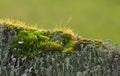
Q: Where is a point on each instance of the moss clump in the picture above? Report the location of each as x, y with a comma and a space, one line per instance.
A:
51, 47
32, 41
27, 42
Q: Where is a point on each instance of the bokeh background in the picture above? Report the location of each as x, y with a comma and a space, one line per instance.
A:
94, 19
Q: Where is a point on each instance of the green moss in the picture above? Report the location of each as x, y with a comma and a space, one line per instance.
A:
27, 42
32, 41
51, 47
69, 50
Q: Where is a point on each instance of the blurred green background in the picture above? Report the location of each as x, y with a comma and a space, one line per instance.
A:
94, 19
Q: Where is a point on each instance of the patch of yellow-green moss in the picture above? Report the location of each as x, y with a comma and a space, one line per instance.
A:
32, 41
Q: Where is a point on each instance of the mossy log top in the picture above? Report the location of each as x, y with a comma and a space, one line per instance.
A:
21, 45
